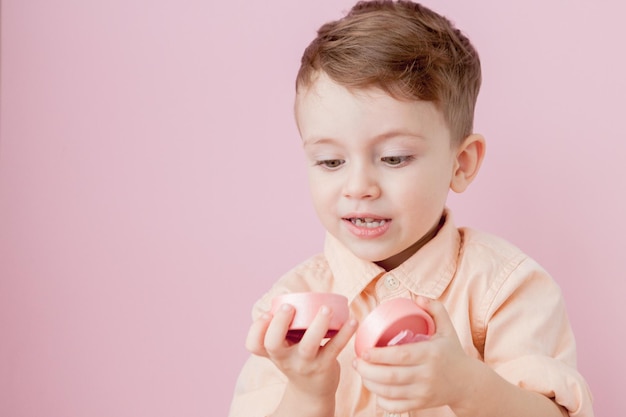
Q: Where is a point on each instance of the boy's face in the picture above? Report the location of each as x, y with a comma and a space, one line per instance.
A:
379, 168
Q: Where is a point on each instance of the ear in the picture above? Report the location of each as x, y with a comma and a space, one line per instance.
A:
469, 157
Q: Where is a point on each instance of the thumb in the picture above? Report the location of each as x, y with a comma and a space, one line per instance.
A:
436, 309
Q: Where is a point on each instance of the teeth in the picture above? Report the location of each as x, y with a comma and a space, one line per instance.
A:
367, 222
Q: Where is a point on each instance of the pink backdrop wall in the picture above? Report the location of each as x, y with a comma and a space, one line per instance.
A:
152, 187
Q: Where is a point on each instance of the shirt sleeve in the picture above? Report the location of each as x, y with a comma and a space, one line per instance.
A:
259, 389
529, 341
260, 384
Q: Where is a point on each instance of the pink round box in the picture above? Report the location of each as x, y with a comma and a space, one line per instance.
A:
307, 305
393, 322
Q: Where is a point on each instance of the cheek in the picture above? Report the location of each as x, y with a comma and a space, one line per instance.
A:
422, 194
323, 204
319, 193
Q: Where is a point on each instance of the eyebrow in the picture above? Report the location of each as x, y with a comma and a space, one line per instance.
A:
379, 138
318, 141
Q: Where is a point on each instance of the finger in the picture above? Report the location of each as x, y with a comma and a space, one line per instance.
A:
396, 398
277, 330
255, 340
340, 340
315, 333
409, 354
385, 374
389, 392
443, 323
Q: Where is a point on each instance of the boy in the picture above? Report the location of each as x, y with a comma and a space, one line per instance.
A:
384, 104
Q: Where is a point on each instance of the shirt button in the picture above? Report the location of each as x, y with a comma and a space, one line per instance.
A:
391, 282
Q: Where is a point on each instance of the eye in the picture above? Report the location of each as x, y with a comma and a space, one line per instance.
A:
396, 160
330, 163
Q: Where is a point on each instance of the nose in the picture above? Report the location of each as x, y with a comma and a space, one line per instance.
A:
361, 184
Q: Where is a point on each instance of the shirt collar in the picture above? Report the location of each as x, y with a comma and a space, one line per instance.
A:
428, 272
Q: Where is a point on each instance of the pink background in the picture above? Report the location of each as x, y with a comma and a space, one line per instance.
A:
152, 186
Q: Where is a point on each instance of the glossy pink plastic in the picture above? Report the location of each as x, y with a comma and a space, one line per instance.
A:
393, 322
307, 305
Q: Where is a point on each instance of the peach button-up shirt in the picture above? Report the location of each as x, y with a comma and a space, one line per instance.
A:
507, 312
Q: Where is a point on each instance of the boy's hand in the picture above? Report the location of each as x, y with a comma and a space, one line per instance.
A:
312, 369
420, 375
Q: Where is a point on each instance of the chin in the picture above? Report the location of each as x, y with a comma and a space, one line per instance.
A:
370, 256
367, 250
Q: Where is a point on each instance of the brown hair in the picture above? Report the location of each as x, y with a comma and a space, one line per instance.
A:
405, 49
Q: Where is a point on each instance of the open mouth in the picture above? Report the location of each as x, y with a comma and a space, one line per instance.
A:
367, 222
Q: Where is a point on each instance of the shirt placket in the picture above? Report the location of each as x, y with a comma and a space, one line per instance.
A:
389, 287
